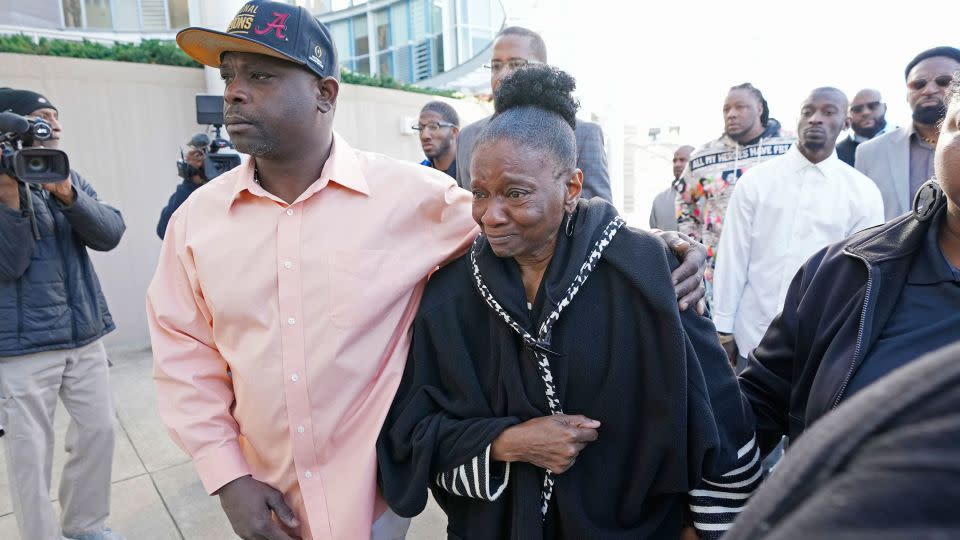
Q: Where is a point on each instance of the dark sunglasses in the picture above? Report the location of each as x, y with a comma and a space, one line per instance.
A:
942, 81
873, 105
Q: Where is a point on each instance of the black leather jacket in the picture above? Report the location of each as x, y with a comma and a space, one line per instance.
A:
835, 309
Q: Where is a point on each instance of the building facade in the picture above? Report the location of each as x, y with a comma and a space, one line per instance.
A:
430, 42
409, 40
160, 18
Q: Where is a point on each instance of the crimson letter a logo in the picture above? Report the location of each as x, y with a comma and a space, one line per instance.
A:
278, 25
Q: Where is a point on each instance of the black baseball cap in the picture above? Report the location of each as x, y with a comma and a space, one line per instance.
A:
271, 28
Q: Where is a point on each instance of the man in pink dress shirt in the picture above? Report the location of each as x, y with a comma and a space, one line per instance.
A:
282, 301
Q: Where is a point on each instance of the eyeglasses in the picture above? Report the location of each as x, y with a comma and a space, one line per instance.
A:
514, 65
873, 105
942, 81
431, 126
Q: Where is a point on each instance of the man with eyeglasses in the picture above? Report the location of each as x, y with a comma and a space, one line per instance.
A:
514, 48
438, 127
867, 117
900, 161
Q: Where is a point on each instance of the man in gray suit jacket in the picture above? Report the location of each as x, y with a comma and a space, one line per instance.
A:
514, 48
900, 161
663, 214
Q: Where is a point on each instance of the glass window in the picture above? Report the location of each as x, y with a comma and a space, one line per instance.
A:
341, 39
71, 14
179, 11
418, 19
479, 15
436, 16
126, 15
360, 44
399, 23
363, 65
385, 64
382, 22
98, 13
438, 54
403, 65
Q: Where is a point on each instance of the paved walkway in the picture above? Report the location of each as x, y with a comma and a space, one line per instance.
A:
156, 493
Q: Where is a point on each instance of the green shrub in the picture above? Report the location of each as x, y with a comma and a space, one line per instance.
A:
148, 51
153, 51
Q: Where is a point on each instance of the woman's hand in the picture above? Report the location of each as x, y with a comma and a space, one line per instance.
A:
550, 442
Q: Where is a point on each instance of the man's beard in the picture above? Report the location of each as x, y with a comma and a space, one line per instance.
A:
814, 146
931, 115
439, 149
871, 132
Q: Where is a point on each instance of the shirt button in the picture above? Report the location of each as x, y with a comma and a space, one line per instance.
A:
308, 474
291, 321
287, 264
300, 429
289, 211
295, 377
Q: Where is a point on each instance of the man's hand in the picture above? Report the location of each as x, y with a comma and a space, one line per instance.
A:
250, 505
194, 158
550, 442
688, 277
9, 192
730, 347
62, 190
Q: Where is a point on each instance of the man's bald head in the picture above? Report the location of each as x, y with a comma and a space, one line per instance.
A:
822, 118
866, 96
829, 93
867, 113
680, 158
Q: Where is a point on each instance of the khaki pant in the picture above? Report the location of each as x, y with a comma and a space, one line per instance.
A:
29, 386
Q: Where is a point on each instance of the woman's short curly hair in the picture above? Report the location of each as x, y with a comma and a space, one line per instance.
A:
536, 110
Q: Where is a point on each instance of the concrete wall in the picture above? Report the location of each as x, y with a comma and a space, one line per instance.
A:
123, 124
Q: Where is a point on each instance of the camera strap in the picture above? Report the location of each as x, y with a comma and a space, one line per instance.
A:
25, 194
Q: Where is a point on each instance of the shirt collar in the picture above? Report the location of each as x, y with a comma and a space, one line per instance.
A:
798, 161
930, 266
342, 168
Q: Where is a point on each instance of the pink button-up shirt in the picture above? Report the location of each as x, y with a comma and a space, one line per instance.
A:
280, 331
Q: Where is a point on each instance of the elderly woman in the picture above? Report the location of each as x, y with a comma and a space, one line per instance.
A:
863, 307
553, 388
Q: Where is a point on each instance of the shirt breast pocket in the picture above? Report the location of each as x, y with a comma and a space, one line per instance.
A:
363, 286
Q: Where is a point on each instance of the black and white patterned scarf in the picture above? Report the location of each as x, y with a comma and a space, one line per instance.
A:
540, 344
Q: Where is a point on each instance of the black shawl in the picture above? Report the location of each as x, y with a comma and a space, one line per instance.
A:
620, 353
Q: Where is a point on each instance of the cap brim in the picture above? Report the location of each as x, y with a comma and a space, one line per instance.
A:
206, 46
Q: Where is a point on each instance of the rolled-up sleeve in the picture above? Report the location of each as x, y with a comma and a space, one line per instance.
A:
194, 388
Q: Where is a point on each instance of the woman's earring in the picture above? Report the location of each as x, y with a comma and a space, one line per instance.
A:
569, 228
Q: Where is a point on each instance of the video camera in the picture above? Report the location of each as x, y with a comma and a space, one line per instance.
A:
18, 157
219, 154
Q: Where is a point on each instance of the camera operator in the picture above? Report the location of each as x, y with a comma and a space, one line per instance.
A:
193, 177
52, 317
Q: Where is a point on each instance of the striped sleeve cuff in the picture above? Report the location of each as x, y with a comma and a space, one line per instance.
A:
476, 478
716, 503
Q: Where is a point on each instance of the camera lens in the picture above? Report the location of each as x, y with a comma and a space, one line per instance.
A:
38, 165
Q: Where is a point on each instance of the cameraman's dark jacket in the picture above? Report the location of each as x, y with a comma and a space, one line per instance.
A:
834, 311
50, 296
184, 190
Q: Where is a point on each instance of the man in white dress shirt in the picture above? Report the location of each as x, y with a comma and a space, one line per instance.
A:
782, 212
